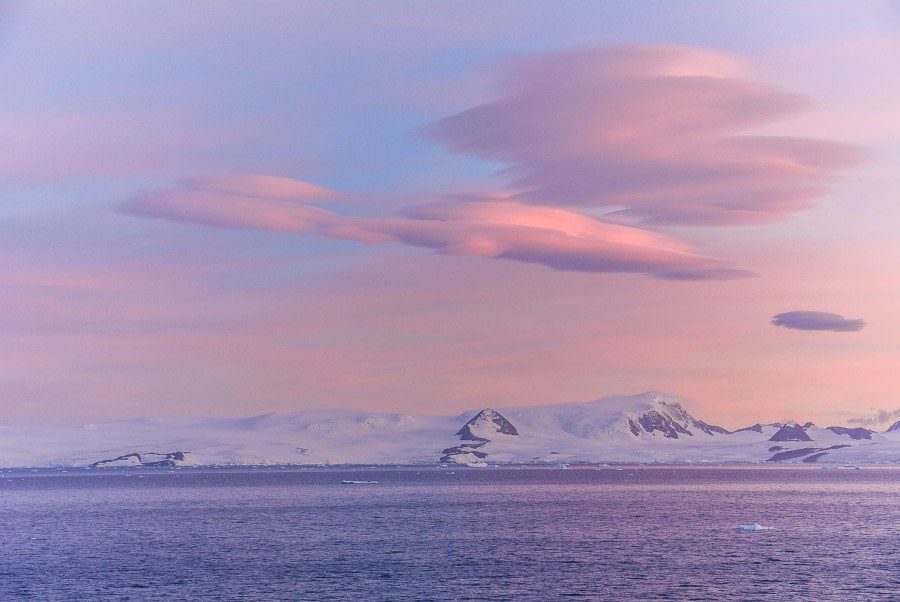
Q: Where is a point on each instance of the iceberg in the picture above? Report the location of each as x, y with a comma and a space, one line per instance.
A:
754, 527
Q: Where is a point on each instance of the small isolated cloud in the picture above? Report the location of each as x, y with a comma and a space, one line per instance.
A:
502, 229
817, 320
880, 417
661, 134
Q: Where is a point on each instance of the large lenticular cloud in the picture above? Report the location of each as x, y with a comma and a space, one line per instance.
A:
652, 134
658, 132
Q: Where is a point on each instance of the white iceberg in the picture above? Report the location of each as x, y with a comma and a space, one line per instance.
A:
754, 527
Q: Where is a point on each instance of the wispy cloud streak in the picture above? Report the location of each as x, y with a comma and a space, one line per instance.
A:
557, 238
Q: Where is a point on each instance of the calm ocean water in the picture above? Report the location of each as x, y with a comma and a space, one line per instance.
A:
642, 533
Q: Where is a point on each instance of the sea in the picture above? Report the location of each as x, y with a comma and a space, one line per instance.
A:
451, 533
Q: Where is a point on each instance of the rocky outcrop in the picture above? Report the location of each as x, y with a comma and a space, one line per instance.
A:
464, 452
811, 453
654, 421
791, 432
853, 433
148, 459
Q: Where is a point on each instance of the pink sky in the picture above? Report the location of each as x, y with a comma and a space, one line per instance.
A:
410, 208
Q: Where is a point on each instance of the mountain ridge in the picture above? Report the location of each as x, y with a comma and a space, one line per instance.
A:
649, 427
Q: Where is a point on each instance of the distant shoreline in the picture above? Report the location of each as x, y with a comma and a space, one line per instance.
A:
443, 467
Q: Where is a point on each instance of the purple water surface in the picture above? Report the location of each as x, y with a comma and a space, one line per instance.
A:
640, 533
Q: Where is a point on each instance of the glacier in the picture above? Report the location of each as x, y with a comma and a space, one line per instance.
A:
651, 427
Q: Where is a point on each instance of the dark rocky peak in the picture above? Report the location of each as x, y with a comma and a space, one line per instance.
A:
756, 428
791, 432
894, 428
808, 425
855, 433
679, 413
710, 429
486, 422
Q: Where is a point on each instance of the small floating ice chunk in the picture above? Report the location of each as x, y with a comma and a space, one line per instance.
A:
754, 527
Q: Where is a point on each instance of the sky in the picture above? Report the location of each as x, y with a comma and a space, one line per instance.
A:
232, 208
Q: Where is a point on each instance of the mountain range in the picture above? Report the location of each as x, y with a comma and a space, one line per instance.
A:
650, 427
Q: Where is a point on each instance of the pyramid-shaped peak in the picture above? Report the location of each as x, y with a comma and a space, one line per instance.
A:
485, 423
894, 428
791, 432
487, 414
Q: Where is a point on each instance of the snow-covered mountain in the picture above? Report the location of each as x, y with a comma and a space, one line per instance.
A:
651, 427
485, 427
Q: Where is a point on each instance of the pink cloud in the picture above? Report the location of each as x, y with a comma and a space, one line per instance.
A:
561, 239
503, 229
661, 131
223, 210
